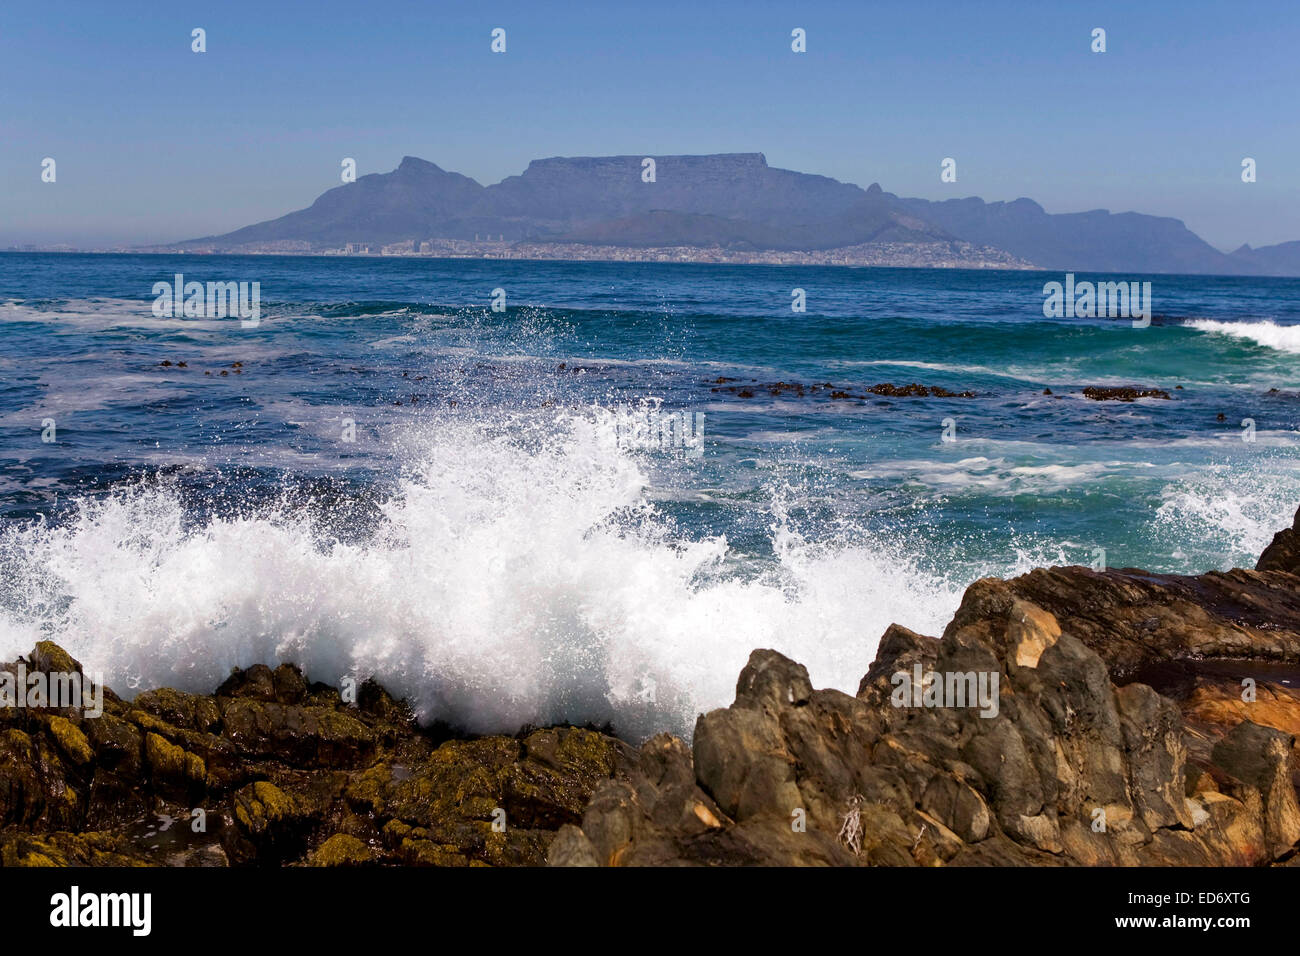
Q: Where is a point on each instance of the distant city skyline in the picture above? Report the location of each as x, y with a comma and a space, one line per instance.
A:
155, 143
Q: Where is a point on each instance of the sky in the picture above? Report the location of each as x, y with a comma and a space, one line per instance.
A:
156, 143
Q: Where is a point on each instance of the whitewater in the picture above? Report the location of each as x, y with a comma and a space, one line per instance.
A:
510, 580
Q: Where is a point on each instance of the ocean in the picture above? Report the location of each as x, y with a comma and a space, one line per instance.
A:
591, 505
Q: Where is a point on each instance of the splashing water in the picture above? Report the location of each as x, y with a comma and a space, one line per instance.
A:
1230, 514
510, 579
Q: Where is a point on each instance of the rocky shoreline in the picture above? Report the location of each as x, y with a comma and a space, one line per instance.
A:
1138, 719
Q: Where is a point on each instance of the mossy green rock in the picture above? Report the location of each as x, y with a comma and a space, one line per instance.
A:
71, 741
51, 658
286, 773
342, 850
190, 711
68, 849
169, 762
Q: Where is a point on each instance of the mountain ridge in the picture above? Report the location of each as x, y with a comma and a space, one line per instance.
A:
731, 201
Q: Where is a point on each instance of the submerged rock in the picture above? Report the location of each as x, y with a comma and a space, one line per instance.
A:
1122, 393
835, 393
916, 391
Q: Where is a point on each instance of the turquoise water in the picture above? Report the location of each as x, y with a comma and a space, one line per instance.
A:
484, 539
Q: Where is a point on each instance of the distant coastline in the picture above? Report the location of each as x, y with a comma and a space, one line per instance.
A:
939, 255
892, 256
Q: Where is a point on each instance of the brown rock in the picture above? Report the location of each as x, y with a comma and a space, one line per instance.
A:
1260, 757
1283, 554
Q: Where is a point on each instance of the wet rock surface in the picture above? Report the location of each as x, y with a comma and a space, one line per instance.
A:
752, 388
828, 390
1283, 553
274, 770
1122, 393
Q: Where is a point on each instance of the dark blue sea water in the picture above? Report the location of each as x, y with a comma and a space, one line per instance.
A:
388, 477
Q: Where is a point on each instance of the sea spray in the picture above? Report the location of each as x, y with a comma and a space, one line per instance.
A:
511, 578
1227, 516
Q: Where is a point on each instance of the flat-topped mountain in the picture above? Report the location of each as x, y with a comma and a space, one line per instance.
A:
733, 201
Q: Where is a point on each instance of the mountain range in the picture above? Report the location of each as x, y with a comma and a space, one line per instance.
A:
734, 201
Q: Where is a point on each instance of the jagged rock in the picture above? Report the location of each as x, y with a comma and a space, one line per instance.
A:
1141, 622
571, 848
899, 650
116, 794
1153, 740
959, 807
49, 658
321, 736
35, 789
1122, 393
1214, 705
1047, 762
181, 710
740, 753
68, 849
270, 825
285, 684
1283, 553
171, 764
1261, 758
492, 798
72, 742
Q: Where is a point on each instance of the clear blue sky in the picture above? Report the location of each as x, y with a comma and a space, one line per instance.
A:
156, 143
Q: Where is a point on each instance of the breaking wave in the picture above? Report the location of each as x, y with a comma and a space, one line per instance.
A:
1284, 338
509, 579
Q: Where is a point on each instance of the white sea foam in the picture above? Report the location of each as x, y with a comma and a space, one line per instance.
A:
510, 580
1227, 515
1004, 372
995, 476
1284, 338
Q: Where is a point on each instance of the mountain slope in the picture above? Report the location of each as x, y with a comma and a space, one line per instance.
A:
412, 200
1282, 259
727, 199
734, 201
1095, 241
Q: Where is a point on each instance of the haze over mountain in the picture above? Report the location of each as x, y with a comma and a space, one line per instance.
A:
1095, 241
734, 201
1282, 259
